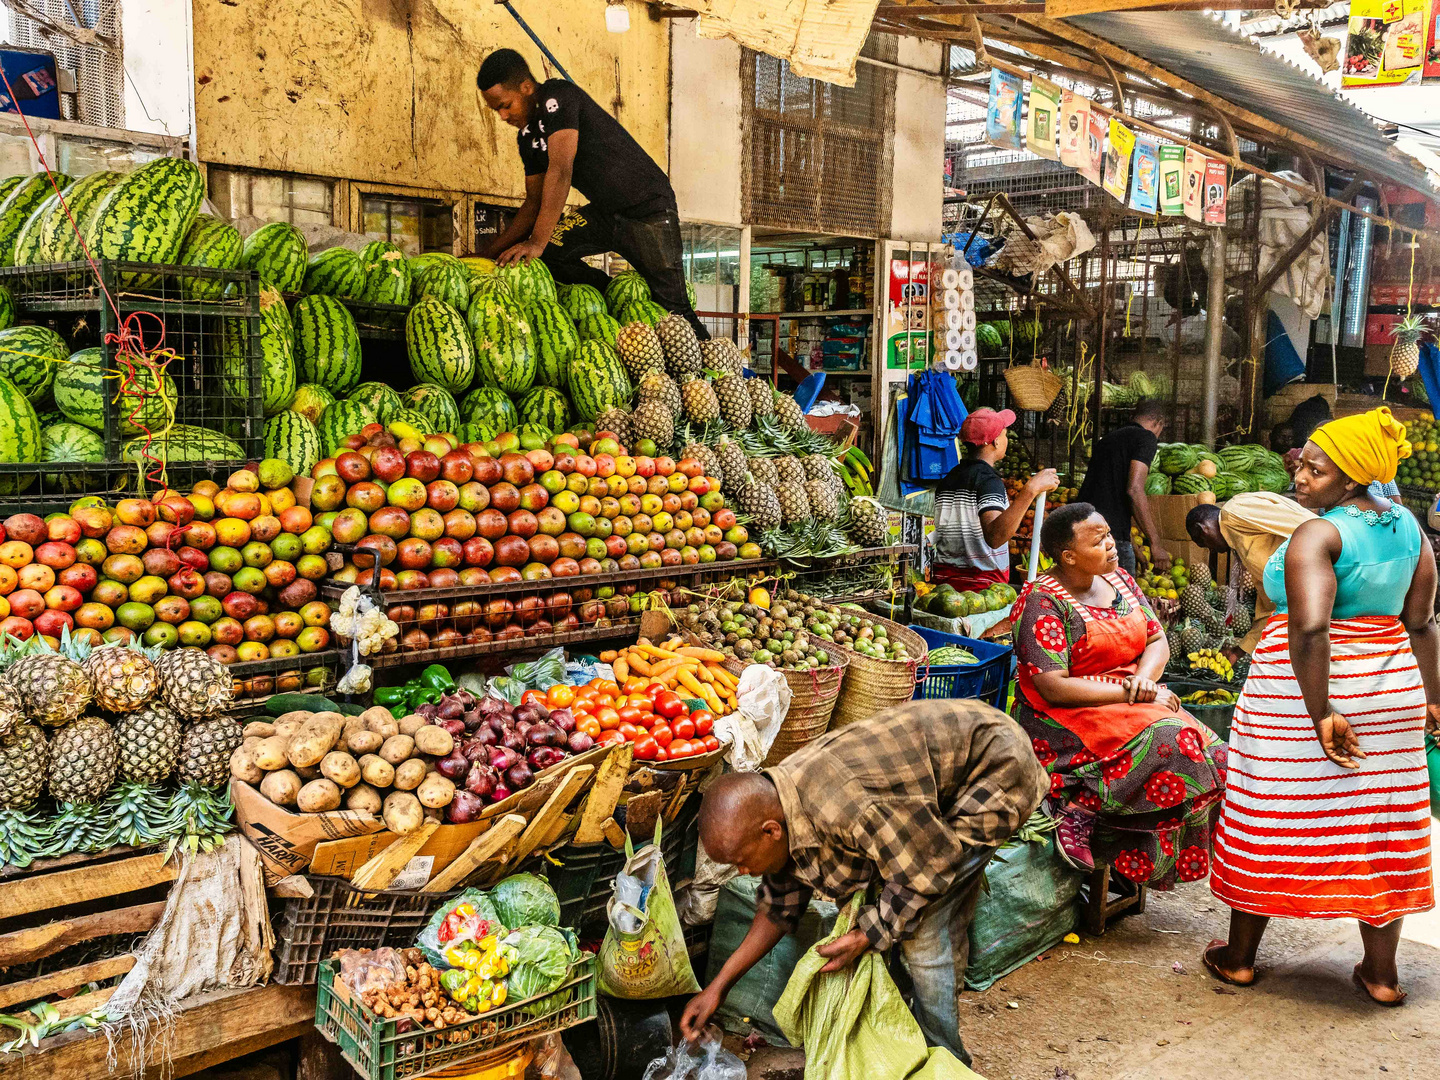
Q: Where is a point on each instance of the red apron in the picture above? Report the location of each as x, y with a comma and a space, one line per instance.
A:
1108, 652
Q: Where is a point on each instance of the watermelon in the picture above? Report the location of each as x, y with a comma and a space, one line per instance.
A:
416, 419
1226, 485
529, 281
59, 242
335, 272
504, 352
436, 404
82, 390
29, 357
327, 345
27, 242
180, 443
1157, 483
598, 327
342, 419
988, 337
209, 243
581, 300
277, 356
277, 251
292, 439
597, 380
19, 205
492, 287
145, 217
545, 407
439, 345
311, 400
384, 402
19, 435
10, 183
1175, 458
70, 442
490, 409
7, 309
626, 287
1189, 484
646, 311
555, 341
445, 279
387, 274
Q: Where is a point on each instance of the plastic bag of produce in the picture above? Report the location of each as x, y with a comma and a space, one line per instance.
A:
708, 1061
542, 673
526, 900
644, 953
459, 927
543, 958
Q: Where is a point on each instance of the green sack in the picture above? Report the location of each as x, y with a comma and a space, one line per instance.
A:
1028, 906
644, 954
1432, 758
853, 1025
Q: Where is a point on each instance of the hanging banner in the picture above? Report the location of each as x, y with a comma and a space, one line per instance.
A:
1040, 127
1145, 191
1172, 169
1093, 159
1074, 128
1386, 42
1194, 184
1217, 178
1117, 159
1002, 117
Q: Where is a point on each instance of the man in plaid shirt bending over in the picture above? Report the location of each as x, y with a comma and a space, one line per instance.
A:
907, 806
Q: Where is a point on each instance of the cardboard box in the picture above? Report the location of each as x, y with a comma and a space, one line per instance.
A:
1170, 511
287, 841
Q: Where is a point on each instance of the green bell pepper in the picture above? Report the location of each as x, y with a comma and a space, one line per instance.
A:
424, 696
437, 677
391, 695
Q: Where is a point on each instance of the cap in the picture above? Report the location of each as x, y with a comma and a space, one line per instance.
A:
983, 426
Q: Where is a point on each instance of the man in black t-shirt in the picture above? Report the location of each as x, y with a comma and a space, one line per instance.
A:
566, 140
1115, 482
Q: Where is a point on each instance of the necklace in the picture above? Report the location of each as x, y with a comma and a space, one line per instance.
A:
1372, 517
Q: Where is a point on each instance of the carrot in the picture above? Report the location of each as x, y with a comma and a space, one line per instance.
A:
712, 700
667, 666
688, 680
701, 654
723, 677
608, 656
704, 674
658, 653
621, 666
640, 665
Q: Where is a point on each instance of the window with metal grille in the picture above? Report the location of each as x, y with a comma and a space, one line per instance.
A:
99, 68
299, 200
819, 156
416, 225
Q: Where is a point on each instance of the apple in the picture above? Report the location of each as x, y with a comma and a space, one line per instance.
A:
387, 463
391, 521
505, 496
517, 469
366, 495
523, 523
352, 467
457, 467
372, 547
414, 553
512, 551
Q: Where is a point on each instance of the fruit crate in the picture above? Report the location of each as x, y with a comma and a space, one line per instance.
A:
190, 319
988, 680
339, 916
310, 673
378, 1050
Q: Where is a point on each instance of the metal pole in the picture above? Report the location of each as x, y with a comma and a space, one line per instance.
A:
535, 38
1214, 328
1035, 537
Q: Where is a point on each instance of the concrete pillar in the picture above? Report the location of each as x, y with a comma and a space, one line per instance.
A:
1214, 329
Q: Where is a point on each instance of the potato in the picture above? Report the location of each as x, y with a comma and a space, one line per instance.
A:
378, 719
281, 788
252, 741
432, 740
376, 771
363, 741
364, 798
243, 767
294, 718
315, 738
397, 748
435, 791
318, 796
262, 728
271, 753
307, 772
286, 729
412, 723
341, 768
409, 774
403, 813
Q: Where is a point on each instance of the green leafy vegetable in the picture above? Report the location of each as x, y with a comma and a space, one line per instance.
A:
526, 900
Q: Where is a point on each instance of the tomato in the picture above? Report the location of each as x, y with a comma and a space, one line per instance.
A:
609, 718
654, 690
679, 748
711, 743
630, 731
645, 748
609, 738
684, 728
629, 714
669, 705
662, 734
643, 703
532, 697
560, 697
589, 725
661, 754
634, 685
704, 721
608, 686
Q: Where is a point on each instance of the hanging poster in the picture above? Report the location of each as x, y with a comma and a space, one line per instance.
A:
1217, 178
1040, 126
1092, 161
1386, 44
1193, 182
1117, 159
1172, 170
1432, 44
1145, 191
1002, 118
1074, 128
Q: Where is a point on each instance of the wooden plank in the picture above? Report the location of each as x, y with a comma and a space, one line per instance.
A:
539, 828
386, 866
481, 850
641, 813
44, 866
615, 834
65, 887
38, 942
43, 986
80, 1004
605, 794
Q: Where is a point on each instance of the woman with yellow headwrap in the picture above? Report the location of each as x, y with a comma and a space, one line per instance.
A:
1326, 811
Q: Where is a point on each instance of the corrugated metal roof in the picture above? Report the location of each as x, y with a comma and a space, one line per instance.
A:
1203, 50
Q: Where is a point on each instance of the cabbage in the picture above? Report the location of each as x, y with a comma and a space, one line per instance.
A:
525, 900
543, 960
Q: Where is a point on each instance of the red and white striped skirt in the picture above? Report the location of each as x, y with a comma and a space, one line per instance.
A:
1299, 836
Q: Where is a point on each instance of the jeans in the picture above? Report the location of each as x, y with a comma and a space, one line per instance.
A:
937, 955
1126, 550
651, 244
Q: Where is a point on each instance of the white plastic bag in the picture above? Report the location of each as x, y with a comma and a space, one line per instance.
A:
764, 699
708, 1061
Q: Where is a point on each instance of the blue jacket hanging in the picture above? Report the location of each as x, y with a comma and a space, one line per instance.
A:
931, 426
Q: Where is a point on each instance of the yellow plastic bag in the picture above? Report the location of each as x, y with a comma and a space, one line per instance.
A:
853, 1024
644, 953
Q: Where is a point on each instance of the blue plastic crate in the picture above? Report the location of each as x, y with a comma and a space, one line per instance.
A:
988, 680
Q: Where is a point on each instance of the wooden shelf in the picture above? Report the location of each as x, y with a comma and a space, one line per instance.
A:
844, 313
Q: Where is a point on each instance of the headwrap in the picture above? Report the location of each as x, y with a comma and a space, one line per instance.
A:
1367, 447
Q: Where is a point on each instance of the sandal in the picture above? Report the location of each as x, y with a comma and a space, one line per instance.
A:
1359, 981
1214, 969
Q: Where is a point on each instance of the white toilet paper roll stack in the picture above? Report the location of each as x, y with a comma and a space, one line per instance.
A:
967, 341
955, 319
969, 361
950, 279
967, 300
967, 319
953, 300
955, 339
965, 279
954, 361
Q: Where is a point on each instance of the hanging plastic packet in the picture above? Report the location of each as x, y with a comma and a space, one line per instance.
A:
1074, 128
1172, 173
1093, 160
360, 619
1002, 117
1216, 188
1145, 190
1117, 160
1194, 184
1041, 126
462, 931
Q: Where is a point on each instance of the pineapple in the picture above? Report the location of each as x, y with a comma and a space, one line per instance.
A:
639, 350
1214, 622
869, 522
763, 470
205, 752
1200, 575
12, 708
731, 458
1172, 639
1405, 353
1059, 411
820, 467
794, 505
787, 411
24, 762
149, 744
616, 421
759, 501
83, 756
657, 386
55, 689
824, 503
124, 678
1241, 621
1191, 638
1247, 587
194, 685
762, 397
680, 345
701, 405
707, 457
1193, 600
790, 470
652, 420
722, 355
734, 400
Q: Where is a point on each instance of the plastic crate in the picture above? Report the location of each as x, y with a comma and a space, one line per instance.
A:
988, 680
1217, 718
338, 916
377, 1050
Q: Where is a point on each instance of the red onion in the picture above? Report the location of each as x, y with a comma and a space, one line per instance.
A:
519, 775
449, 709
500, 794
497, 724
489, 706
482, 738
453, 766
502, 757
464, 808
514, 740
563, 719
543, 735
580, 742
429, 711
466, 699
473, 719
532, 712
456, 728
481, 779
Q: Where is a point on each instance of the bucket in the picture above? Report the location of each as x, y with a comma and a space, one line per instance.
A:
625, 1038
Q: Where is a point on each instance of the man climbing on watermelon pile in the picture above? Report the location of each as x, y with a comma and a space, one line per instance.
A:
974, 518
1115, 482
567, 140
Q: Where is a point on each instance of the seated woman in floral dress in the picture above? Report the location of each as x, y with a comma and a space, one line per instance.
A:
1134, 779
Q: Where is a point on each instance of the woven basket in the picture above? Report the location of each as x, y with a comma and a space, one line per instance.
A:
1032, 387
873, 685
813, 694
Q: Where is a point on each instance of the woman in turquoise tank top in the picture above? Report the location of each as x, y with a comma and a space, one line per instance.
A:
1326, 811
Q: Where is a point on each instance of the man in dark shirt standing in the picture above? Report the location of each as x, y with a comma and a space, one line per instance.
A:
1115, 482
567, 140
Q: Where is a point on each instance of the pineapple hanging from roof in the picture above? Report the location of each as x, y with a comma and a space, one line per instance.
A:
1405, 353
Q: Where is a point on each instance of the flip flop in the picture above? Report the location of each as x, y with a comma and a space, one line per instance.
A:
1211, 966
1401, 995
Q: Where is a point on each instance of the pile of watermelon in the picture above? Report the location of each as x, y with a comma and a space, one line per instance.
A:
1188, 469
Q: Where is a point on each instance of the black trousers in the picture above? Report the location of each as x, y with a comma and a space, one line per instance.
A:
651, 245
